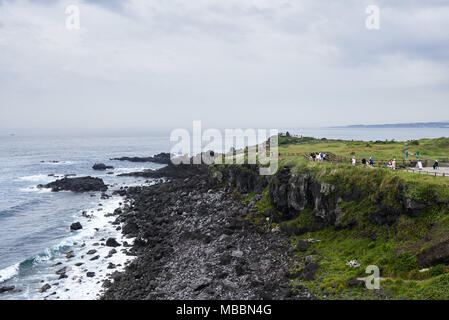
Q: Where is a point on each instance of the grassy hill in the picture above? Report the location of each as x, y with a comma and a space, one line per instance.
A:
399, 248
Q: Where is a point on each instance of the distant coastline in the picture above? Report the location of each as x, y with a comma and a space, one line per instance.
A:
401, 125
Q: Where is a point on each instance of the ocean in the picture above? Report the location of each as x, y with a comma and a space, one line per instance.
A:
34, 223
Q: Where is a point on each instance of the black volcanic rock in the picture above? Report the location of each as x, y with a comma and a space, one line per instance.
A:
76, 226
81, 184
163, 158
111, 242
184, 251
180, 171
101, 166
6, 289
45, 288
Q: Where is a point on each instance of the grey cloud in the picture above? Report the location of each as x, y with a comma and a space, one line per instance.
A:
140, 63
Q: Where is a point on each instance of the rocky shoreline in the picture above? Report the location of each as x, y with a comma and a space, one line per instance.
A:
192, 242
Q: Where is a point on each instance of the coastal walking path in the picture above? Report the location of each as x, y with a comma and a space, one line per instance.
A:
441, 172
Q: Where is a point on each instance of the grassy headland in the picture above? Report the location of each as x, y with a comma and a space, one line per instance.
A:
409, 249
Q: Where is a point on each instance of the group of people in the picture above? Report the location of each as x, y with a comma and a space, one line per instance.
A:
318, 157
365, 162
392, 164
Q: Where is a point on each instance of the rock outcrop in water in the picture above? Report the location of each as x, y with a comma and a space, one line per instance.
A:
76, 226
163, 158
101, 166
7, 289
81, 184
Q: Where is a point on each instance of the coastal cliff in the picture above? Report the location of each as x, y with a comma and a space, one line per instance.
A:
338, 214
226, 232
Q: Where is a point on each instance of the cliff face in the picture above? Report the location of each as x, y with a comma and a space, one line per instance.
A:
244, 178
290, 194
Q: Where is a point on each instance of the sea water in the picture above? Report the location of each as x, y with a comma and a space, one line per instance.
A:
35, 223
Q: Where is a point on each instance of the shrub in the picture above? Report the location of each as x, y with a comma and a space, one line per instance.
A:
438, 269
404, 263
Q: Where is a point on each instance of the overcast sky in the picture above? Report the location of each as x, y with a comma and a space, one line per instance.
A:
229, 63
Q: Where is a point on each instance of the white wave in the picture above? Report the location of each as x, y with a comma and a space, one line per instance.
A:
45, 256
80, 286
35, 189
9, 272
58, 163
126, 170
77, 286
37, 178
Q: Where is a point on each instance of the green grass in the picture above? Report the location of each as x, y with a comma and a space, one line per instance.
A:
382, 246
393, 248
380, 150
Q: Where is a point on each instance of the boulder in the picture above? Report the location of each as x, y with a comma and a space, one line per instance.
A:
111, 242
75, 226
45, 288
302, 245
356, 282
436, 254
308, 273
61, 271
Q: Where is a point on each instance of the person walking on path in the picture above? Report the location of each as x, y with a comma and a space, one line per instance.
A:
436, 165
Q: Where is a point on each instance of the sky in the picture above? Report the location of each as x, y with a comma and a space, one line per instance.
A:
228, 63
